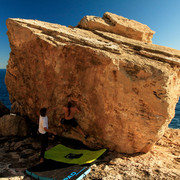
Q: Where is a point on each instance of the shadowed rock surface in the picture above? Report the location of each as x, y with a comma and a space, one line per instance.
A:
11, 125
3, 109
126, 89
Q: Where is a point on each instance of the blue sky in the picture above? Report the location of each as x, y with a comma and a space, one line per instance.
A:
162, 16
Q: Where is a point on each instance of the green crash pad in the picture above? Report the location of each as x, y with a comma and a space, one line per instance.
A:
72, 156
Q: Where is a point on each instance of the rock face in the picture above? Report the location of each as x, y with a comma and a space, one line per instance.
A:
13, 126
126, 89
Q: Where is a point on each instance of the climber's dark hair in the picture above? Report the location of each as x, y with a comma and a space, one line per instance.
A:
69, 105
43, 112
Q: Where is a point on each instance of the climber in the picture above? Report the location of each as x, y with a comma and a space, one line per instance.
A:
70, 110
43, 132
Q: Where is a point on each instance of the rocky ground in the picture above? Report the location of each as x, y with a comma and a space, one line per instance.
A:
162, 162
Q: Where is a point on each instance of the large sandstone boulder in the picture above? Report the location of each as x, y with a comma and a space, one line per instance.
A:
126, 89
11, 125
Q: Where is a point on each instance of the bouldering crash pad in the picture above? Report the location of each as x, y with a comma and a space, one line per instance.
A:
64, 163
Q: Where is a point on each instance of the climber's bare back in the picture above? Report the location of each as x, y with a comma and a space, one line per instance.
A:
73, 111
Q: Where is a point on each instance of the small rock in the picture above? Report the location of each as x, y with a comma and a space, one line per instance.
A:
34, 157
28, 151
6, 144
106, 168
22, 160
118, 177
28, 140
36, 145
12, 144
18, 145
14, 155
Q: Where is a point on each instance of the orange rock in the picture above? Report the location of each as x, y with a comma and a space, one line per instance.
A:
118, 25
126, 89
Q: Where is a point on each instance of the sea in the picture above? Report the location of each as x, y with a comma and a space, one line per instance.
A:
4, 98
4, 95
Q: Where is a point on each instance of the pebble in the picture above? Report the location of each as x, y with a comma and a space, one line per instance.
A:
14, 155
18, 145
28, 151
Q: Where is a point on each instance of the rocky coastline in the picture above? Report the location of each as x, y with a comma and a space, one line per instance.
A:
125, 87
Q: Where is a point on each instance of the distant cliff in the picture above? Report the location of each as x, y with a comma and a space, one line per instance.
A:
125, 87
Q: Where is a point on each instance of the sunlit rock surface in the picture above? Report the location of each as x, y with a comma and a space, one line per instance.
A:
118, 25
126, 89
